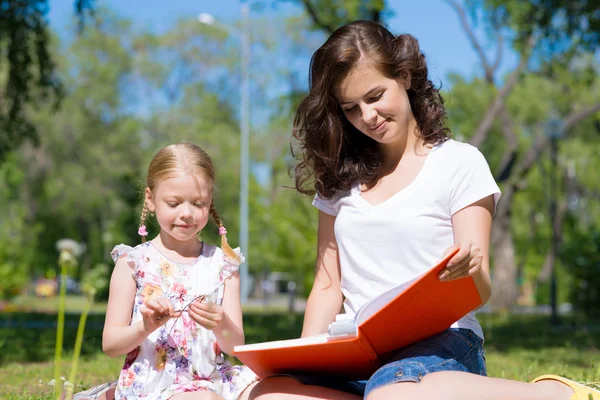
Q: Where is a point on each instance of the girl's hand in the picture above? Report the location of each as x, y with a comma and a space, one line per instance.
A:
156, 313
207, 315
467, 262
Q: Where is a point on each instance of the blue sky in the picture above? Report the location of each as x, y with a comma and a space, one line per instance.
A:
432, 22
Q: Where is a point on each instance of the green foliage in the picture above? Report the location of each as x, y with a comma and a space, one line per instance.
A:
557, 88
284, 217
557, 23
23, 31
96, 281
31, 76
583, 253
18, 235
83, 162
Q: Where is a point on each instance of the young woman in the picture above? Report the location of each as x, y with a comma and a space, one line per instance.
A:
395, 193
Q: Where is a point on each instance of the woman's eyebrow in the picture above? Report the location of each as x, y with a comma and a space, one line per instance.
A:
369, 93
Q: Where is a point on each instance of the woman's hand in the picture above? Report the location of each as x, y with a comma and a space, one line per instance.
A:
207, 315
467, 262
156, 312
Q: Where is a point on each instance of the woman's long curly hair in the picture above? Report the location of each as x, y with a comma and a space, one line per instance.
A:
334, 154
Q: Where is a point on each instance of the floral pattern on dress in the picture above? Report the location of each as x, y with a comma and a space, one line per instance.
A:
180, 356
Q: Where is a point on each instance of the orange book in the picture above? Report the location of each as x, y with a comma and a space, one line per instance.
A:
356, 347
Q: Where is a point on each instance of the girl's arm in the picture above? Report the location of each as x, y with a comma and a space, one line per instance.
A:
472, 229
325, 300
119, 337
230, 330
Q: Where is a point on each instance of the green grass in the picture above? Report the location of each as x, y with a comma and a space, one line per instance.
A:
517, 347
525, 346
31, 380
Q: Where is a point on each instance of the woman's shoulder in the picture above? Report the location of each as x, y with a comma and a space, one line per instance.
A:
459, 154
452, 147
343, 193
331, 204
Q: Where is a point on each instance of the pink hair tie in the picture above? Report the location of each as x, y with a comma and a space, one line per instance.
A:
222, 231
142, 230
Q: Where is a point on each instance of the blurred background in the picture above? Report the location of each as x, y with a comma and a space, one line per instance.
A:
90, 90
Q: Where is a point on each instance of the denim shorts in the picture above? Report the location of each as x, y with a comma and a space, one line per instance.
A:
454, 349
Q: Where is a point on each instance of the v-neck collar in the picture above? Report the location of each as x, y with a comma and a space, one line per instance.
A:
402, 193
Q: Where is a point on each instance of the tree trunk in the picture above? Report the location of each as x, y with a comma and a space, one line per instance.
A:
504, 267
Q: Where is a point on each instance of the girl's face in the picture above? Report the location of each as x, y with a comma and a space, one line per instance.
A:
181, 204
376, 105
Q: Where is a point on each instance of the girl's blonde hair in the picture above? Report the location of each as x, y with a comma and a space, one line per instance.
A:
168, 162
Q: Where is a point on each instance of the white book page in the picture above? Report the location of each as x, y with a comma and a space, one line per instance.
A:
374, 305
346, 325
342, 326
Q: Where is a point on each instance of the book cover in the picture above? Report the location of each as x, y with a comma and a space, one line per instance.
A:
355, 348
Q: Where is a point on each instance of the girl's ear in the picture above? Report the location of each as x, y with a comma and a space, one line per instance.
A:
148, 199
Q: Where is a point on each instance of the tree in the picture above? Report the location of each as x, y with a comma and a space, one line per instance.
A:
85, 161
328, 15
534, 27
17, 236
285, 221
27, 67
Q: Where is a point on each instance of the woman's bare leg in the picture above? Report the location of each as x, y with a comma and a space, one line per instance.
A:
246, 393
450, 385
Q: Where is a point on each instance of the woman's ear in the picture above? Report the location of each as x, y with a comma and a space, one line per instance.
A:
148, 199
406, 81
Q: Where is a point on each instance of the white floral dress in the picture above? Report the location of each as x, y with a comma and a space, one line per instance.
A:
180, 356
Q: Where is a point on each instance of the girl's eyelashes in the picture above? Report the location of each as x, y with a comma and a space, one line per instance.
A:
174, 204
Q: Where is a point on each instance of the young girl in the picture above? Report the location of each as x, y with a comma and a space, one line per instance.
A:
394, 194
174, 304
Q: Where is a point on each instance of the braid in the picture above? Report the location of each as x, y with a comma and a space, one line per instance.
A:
224, 244
143, 221
215, 215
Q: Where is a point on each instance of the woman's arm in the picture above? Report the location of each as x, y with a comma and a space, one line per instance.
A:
325, 300
119, 337
472, 229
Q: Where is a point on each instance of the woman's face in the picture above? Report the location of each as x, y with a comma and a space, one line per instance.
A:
376, 105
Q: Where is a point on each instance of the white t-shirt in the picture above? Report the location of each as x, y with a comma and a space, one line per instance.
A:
384, 245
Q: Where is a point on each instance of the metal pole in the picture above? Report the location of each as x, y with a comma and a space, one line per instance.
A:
244, 150
554, 244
